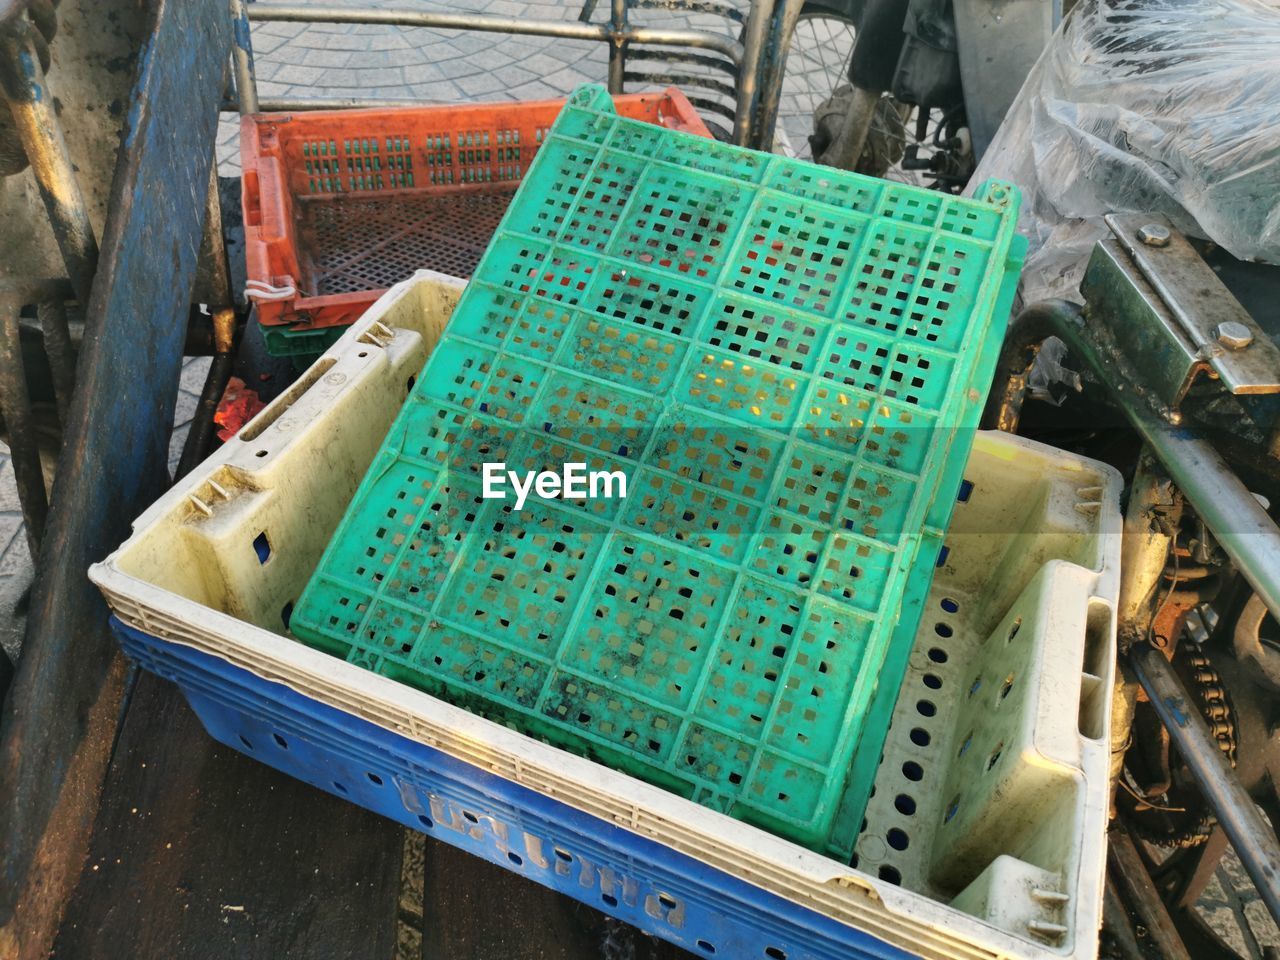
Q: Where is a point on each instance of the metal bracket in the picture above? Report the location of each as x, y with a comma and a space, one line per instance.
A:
1179, 319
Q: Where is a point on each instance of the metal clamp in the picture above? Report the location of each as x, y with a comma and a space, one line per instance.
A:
1180, 321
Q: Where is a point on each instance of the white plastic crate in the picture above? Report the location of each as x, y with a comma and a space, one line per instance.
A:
999, 740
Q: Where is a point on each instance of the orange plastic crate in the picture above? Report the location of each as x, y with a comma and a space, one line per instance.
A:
341, 204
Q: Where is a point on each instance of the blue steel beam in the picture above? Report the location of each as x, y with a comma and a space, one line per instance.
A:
61, 712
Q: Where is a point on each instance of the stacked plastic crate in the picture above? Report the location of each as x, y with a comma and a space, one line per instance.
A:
787, 363
341, 204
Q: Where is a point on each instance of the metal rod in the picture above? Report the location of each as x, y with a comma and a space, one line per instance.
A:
1115, 921
617, 46
1126, 864
52, 315
200, 433
15, 406
568, 30
242, 59
215, 273
299, 104
32, 104
1252, 837
1237, 520
291, 104
1144, 551
749, 73
785, 16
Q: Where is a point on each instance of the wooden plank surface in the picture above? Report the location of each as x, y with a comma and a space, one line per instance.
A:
474, 910
62, 708
201, 853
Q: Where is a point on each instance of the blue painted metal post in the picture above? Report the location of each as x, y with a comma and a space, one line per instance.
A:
62, 709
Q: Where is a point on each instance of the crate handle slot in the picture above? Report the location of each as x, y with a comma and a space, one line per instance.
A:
265, 418
273, 214
1093, 671
252, 203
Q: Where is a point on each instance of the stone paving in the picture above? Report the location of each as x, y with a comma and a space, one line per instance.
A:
435, 66
337, 60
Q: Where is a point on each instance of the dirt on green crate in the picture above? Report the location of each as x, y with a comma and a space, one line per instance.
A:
780, 357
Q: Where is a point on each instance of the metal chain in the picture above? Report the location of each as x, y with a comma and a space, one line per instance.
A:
1208, 688
1211, 697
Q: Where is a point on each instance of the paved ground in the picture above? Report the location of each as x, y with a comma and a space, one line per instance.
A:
440, 66
443, 66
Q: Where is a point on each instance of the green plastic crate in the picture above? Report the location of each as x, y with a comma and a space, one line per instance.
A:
301, 346
786, 361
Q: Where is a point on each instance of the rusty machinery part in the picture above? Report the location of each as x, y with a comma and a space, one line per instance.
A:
1175, 813
42, 15
1250, 647
886, 137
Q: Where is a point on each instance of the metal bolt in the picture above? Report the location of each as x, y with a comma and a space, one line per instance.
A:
1154, 234
1234, 335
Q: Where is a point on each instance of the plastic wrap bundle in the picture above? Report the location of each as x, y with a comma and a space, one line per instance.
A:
1170, 106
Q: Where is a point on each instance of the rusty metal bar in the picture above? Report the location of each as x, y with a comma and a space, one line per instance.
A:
213, 281
1252, 837
15, 406
568, 30
213, 284
294, 104
31, 102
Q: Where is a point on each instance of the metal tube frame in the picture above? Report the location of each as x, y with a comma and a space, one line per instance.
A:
242, 60
50, 297
746, 56
749, 75
777, 42
565, 29
52, 316
36, 120
617, 45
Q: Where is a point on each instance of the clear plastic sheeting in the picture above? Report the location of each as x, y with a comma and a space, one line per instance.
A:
1169, 106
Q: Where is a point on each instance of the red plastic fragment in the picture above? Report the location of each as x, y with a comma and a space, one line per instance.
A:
237, 407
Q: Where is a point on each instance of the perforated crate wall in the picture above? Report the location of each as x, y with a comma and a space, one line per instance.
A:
784, 360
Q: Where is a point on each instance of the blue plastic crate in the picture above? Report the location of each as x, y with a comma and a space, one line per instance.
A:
216, 565
639, 881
